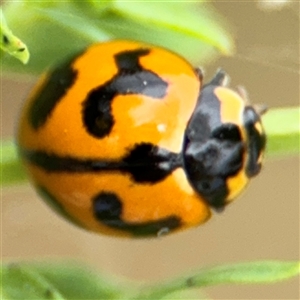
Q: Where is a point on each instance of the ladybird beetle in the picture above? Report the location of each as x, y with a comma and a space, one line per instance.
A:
125, 140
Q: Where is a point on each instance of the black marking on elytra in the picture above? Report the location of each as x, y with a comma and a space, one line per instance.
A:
55, 86
55, 163
108, 208
127, 61
131, 78
256, 141
149, 163
145, 163
213, 151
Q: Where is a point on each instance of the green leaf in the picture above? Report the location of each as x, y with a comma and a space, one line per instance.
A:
56, 29
21, 282
53, 32
11, 44
282, 126
56, 281
11, 170
70, 281
243, 273
192, 294
190, 19
247, 273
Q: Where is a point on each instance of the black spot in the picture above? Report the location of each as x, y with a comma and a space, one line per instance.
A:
108, 210
130, 79
107, 207
145, 163
59, 81
21, 49
149, 163
5, 39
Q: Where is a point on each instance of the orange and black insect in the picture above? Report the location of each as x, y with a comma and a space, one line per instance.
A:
124, 139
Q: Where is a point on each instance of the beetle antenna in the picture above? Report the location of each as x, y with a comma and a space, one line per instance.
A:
220, 78
200, 73
243, 93
260, 108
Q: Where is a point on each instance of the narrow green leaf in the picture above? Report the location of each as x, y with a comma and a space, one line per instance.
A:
192, 294
11, 44
247, 273
73, 22
243, 273
57, 281
93, 5
53, 32
11, 170
70, 281
193, 49
196, 32
22, 282
78, 282
192, 19
282, 126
